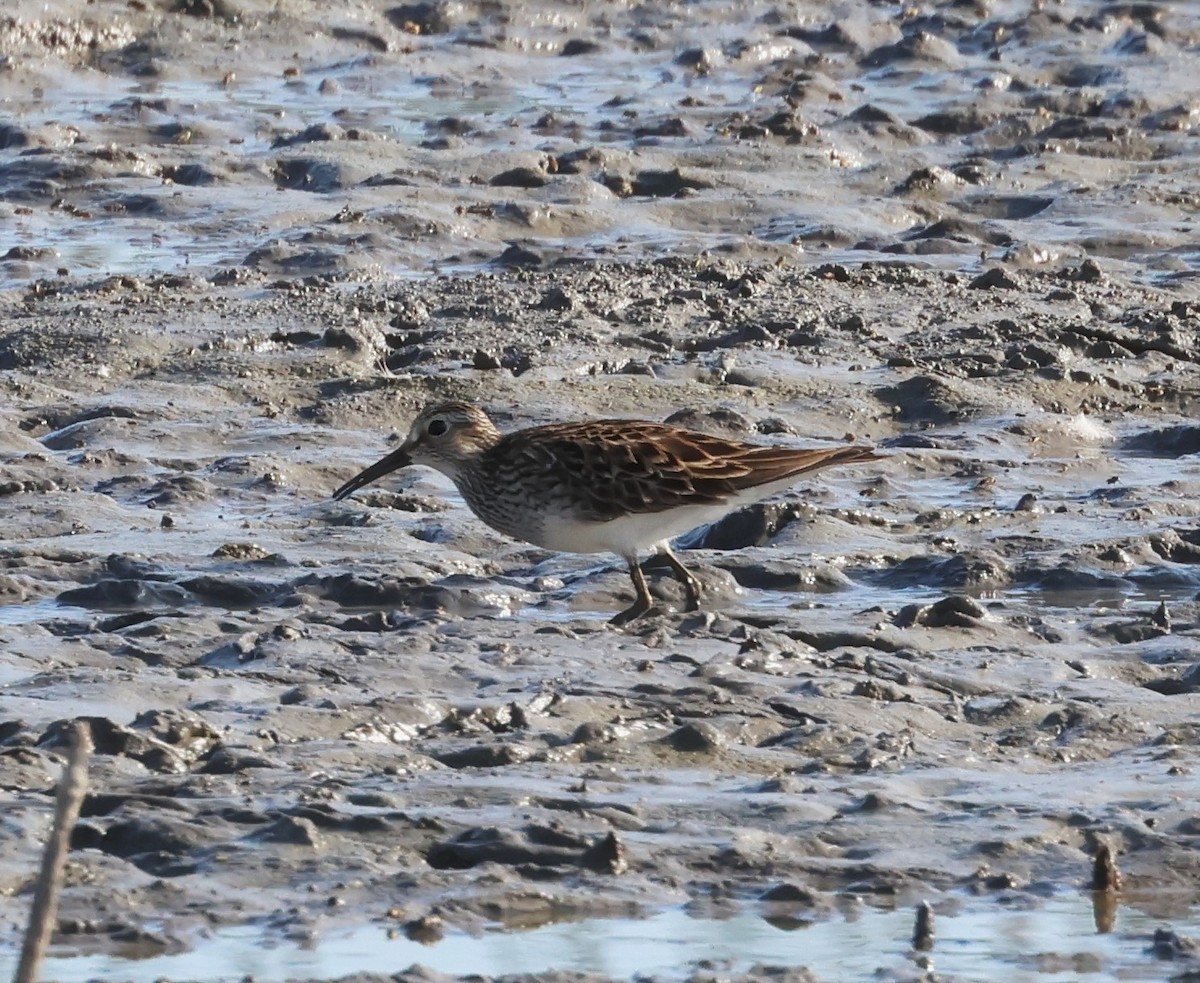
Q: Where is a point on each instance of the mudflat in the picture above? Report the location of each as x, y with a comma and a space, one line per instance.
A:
246, 243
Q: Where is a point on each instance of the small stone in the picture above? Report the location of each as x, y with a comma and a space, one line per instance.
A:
992, 279
427, 929
697, 735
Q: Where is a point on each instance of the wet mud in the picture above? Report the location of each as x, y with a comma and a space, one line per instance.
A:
965, 670
296, 140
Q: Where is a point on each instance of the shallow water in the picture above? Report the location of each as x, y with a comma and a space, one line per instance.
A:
975, 942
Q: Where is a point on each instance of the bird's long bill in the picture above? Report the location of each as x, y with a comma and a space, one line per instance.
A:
393, 462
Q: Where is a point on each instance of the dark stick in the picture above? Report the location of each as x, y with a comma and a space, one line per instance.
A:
44, 913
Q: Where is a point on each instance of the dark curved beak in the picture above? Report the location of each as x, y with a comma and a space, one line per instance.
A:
393, 462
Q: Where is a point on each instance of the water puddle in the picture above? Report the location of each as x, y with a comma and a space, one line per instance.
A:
979, 941
45, 609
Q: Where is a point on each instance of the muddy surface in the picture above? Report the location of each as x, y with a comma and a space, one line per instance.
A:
301, 139
962, 233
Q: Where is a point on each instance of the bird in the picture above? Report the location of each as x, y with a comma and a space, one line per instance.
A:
599, 486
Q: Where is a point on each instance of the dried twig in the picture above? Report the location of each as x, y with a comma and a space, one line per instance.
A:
1105, 875
44, 913
923, 933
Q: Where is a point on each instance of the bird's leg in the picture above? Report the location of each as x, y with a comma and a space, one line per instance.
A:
691, 585
642, 601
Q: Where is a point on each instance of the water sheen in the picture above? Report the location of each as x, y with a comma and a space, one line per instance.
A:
981, 941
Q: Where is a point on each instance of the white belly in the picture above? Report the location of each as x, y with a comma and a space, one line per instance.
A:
626, 535
632, 533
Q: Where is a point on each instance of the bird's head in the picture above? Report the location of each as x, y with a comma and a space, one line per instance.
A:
444, 436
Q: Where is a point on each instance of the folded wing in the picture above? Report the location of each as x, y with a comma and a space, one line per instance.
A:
616, 467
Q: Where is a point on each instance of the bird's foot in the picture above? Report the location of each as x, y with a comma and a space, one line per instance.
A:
637, 609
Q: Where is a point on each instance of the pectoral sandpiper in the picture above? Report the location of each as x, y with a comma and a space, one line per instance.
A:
603, 486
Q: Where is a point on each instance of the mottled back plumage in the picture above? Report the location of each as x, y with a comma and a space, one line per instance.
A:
602, 485
610, 468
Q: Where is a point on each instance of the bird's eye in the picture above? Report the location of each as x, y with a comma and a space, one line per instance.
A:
436, 428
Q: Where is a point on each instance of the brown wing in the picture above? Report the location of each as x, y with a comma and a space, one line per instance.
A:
619, 466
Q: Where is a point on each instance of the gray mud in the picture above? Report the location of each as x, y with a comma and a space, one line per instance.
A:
958, 672
299, 139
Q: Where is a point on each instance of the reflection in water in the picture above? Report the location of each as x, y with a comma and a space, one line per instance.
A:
1104, 910
976, 941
